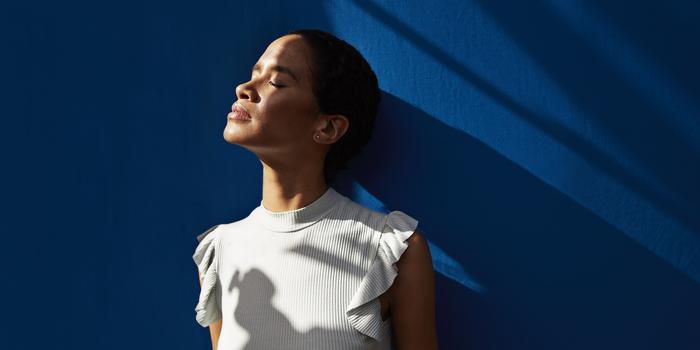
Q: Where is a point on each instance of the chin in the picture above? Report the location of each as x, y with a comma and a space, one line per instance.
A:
235, 136
231, 136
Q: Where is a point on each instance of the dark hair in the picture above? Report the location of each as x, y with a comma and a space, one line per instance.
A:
343, 83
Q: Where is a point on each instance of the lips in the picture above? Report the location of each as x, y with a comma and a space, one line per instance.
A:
239, 112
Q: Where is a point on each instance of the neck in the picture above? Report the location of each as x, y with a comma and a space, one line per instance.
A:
292, 188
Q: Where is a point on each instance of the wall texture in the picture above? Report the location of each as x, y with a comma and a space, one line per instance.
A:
549, 149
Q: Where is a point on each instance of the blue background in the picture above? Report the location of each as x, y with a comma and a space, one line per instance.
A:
549, 149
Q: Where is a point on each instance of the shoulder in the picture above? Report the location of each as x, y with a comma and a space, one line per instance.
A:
412, 253
207, 233
367, 218
213, 232
417, 254
414, 268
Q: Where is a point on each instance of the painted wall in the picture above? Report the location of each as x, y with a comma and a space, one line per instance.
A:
549, 149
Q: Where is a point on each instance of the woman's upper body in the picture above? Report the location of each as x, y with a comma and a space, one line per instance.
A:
311, 278
309, 268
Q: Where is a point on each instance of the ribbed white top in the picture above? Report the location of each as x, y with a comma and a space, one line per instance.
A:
307, 278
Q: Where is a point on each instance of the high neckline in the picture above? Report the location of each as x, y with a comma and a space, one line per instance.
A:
297, 219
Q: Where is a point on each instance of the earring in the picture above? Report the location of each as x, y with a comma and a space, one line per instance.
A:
317, 136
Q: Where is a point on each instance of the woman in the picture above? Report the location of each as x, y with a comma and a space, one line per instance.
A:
309, 268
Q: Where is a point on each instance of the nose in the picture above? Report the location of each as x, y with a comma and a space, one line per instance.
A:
246, 91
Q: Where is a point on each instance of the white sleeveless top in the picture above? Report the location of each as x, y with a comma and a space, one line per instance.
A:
308, 278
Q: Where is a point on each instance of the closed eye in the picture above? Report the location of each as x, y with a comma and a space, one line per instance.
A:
276, 85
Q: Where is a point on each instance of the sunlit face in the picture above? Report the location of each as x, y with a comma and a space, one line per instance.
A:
279, 100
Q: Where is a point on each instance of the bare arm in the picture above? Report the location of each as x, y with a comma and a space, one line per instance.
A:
412, 296
214, 328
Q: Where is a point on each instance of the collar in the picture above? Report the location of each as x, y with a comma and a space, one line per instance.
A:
297, 219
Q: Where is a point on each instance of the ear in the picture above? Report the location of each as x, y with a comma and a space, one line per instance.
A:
330, 128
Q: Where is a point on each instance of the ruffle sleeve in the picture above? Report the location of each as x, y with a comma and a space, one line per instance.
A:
205, 257
364, 310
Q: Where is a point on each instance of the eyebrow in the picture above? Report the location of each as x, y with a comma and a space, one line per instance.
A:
278, 68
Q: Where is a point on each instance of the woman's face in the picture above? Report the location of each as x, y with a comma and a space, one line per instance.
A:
279, 99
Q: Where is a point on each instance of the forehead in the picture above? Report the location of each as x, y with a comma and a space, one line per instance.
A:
289, 51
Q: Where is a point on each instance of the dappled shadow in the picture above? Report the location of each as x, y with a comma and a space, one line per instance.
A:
267, 326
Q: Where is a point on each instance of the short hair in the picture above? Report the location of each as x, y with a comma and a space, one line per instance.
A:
343, 83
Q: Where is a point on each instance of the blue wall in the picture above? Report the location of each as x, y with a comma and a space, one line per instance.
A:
550, 151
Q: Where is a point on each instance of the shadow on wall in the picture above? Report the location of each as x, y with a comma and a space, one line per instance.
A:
550, 267
667, 160
670, 167
672, 44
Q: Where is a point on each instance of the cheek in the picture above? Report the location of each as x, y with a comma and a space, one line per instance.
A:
289, 100
287, 110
